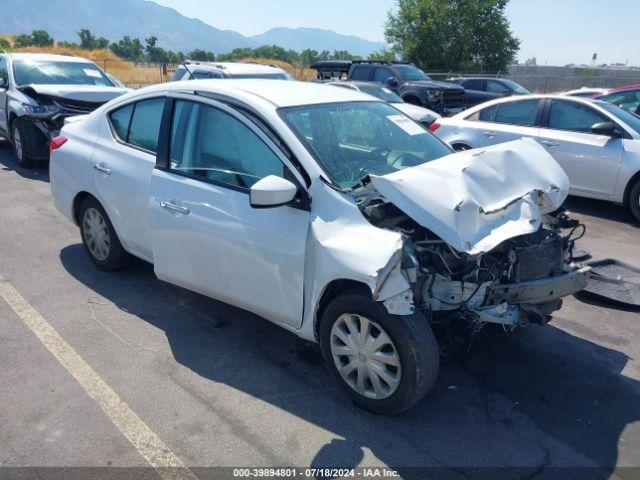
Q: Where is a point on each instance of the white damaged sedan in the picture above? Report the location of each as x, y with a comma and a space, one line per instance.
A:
327, 212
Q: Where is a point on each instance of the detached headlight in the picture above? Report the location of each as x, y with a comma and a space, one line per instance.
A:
40, 110
434, 95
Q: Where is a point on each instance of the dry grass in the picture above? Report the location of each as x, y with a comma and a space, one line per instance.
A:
138, 75
299, 73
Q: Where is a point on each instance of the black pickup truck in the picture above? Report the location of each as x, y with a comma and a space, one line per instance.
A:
405, 79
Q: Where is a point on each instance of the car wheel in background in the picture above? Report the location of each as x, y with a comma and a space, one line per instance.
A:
387, 363
20, 141
99, 237
634, 200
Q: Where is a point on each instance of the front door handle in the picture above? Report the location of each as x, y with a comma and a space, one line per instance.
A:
172, 207
100, 168
550, 143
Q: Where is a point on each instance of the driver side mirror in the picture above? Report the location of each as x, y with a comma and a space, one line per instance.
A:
272, 191
608, 129
392, 82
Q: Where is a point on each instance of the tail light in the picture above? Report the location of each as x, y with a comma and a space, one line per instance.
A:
56, 143
434, 126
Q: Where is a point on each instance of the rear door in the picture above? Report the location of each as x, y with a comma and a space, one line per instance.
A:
123, 160
504, 122
592, 162
206, 236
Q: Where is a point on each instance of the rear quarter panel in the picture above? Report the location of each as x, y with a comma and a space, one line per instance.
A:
70, 165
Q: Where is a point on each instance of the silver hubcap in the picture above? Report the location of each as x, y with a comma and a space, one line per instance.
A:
365, 356
17, 143
96, 234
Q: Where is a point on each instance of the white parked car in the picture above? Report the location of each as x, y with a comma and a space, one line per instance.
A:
194, 70
327, 212
595, 142
420, 114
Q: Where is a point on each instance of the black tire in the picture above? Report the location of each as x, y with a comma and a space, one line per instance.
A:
20, 135
634, 200
414, 342
117, 257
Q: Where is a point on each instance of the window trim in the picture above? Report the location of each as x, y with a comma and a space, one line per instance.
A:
163, 159
115, 136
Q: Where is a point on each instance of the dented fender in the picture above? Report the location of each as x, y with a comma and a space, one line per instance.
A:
343, 245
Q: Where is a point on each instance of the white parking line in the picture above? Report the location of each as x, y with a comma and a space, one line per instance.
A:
148, 444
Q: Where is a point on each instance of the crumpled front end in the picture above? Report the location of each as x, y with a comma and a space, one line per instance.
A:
485, 240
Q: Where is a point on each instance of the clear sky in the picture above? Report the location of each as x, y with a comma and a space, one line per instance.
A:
557, 32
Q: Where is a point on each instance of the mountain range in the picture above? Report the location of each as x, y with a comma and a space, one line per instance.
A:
114, 19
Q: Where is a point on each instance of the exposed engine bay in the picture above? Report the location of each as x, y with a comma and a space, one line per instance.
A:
520, 281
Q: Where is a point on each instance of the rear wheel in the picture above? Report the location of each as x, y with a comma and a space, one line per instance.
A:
634, 200
387, 363
99, 237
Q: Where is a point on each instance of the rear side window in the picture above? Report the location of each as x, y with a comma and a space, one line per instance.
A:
485, 115
138, 124
521, 113
573, 116
4, 73
120, 120
360, 73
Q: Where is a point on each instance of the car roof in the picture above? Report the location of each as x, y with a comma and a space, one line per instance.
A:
622, 89
235, 68
48, 57
276, 92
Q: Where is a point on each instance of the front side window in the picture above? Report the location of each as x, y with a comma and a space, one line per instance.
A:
138, 124
485, 115
521, 113
41, 72
497, 87
382, 75
473, 84
573, 116
210, 143
360, 73
355, 139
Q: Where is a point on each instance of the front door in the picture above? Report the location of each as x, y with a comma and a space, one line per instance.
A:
592, 162
505, 122
4, 80
206, 236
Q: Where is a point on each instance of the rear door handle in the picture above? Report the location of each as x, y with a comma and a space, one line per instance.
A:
172, 207
100, 168
487, 133
550, 143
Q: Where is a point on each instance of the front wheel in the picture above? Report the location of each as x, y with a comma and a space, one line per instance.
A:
634, 200
21, 147
387, 363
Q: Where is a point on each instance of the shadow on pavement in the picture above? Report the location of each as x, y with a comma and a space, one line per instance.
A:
514, 407
601, 209
9, 162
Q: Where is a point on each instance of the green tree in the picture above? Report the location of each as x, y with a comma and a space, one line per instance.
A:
41, 38
202, 56
130, 49
460, 35
384, 55
4, 44
87, 40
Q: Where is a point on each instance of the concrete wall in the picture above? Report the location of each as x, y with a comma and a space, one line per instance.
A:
543, 79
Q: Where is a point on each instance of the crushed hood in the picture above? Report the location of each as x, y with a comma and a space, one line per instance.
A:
476, 199
82, 93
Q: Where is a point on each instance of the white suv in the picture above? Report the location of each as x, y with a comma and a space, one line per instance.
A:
326, 211
237, 70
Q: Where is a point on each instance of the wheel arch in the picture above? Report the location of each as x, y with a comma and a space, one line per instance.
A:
630, 184
331, 291
77, 203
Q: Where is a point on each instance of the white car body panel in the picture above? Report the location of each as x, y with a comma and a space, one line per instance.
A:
278, 262
85, 93
475, 203
419, 114
598, 167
